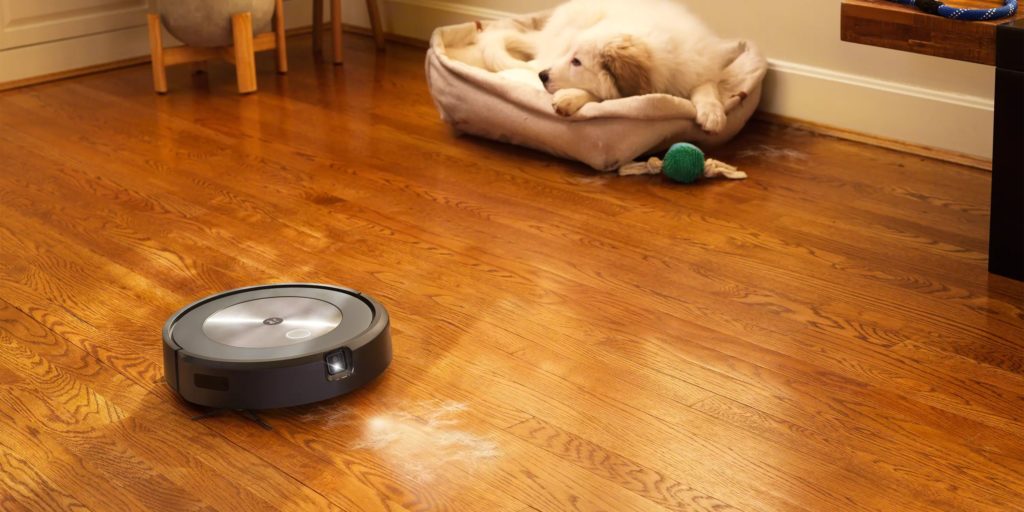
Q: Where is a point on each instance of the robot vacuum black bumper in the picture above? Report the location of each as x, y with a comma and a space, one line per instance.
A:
273, 346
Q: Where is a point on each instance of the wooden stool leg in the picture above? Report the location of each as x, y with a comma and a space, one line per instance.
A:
378, 29
156, 50
279, 35
318, 26
336, 31
245, 56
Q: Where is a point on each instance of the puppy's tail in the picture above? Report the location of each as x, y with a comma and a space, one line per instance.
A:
730, 52
505, 49
733, 71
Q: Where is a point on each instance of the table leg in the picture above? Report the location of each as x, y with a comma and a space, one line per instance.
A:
378, 30
279, 37
336, 48
318, 25
245, 57
156, 50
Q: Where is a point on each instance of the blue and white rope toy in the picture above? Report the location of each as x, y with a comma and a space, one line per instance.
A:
1009, 8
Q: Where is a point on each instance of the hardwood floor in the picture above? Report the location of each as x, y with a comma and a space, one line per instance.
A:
822, 336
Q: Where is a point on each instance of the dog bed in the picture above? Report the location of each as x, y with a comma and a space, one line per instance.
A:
606, 135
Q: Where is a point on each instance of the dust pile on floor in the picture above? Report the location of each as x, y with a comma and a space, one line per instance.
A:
423, 437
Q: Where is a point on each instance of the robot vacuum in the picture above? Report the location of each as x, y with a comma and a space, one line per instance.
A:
271, 346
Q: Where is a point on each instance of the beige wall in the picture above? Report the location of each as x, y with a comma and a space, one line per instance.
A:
807, 32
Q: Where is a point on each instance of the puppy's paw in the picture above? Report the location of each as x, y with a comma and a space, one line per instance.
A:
711, 117
567, 102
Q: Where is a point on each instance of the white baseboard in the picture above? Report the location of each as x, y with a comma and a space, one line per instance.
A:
926, 117
472, 12
418, 18
65, 54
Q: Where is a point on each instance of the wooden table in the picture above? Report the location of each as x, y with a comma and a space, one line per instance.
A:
999, 43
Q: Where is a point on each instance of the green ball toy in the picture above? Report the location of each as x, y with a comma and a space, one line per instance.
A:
684, 163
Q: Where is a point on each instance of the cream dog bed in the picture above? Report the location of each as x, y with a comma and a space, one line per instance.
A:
606, 135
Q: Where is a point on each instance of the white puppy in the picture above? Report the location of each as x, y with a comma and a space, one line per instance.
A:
594, 50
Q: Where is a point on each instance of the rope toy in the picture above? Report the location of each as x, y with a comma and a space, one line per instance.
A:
1009, 8
684, 163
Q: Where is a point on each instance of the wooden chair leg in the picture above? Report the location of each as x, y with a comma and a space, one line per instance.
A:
245, 56
336, 31
279, 35
318, 26
378, 29
156, 51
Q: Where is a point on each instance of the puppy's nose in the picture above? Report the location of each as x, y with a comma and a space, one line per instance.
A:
543, 76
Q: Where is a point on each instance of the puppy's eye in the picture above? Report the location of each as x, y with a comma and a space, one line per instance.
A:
575, 62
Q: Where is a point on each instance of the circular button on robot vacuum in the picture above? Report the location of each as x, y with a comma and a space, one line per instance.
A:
275, 346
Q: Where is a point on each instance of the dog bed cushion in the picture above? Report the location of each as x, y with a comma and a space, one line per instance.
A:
604, 135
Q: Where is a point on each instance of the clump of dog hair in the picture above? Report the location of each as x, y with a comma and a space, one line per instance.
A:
423, 438
767, 152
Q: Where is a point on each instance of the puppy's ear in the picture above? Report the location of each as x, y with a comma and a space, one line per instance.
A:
628, 61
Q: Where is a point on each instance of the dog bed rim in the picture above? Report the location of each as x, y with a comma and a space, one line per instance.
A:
671, 107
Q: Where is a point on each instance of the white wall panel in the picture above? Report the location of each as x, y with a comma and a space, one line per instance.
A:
28, 22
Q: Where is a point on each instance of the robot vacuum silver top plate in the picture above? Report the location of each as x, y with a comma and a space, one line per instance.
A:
273, 323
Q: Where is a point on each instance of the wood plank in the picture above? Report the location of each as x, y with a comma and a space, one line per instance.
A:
886, 308
22, 487
890, 25
73, 416
823, 336
943, 154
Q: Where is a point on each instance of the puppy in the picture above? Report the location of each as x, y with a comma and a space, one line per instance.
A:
595, 50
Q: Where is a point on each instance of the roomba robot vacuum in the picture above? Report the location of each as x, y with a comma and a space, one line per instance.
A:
277, 345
